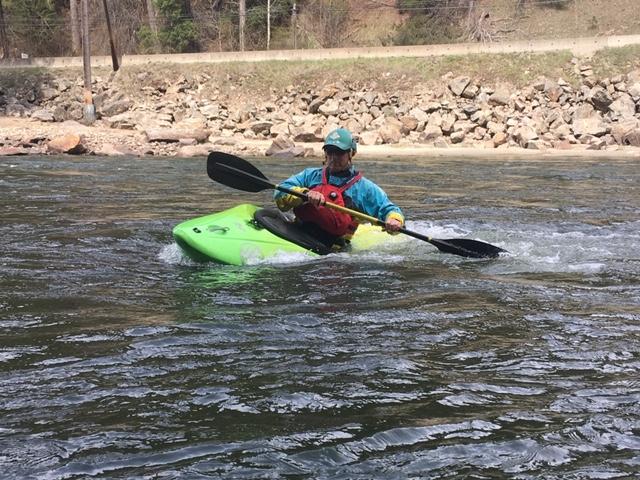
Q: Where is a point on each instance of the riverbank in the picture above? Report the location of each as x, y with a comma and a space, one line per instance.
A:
551, 103
28, 137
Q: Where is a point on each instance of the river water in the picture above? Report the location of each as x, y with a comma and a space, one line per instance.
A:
119, 358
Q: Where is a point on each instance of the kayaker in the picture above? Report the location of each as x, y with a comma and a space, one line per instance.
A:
337, 182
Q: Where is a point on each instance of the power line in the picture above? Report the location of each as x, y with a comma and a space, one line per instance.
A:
283, 9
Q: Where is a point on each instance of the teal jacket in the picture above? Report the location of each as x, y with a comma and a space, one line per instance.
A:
364, 196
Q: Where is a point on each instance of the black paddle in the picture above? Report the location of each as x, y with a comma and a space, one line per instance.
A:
238, 173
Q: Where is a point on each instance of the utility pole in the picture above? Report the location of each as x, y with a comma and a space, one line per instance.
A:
242, 10
114, 56
89, 107
294, 22
4, 42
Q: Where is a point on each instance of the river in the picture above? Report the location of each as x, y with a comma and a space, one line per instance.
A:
120, 358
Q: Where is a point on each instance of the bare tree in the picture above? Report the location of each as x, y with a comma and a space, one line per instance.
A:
324, 22
242, 11
4, 42
75, 26
153, 23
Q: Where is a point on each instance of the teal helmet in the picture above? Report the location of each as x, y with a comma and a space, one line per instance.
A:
341, 138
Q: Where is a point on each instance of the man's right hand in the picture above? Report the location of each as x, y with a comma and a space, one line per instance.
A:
315, 198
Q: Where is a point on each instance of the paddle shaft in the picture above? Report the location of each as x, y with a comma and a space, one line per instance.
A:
340, 208
353, 213
232, 171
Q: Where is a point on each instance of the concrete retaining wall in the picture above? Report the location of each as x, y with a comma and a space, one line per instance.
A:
578, 46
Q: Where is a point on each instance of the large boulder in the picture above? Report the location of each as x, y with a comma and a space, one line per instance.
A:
587, 121
69, 143
624, 107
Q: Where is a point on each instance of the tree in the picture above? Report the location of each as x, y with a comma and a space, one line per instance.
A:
75, 26
176, 30
242, 17
4, 42
35, 26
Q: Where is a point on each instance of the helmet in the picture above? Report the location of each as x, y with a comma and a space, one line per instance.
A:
341, 138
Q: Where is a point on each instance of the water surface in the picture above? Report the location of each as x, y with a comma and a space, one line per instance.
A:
119, 358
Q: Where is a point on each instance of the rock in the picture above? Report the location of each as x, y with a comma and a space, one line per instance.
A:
188, 151
353, 125
174, 135
471, 91
632, 138
390, 133
409, 123
110, 109
458, 85
500, 138
481, 117
59, 114
111, 150
211, 112
524, 134
13, 151
448, 121
370, 138
495, 127
226, 141
457, 137
330, 107
280, 129
295, 151
16, 110
43, 115
70, 143
418, 114
600, 98
430, 133
279, 144
624, 107
593, 125
126, 121
308, 133
260, 127
620, 130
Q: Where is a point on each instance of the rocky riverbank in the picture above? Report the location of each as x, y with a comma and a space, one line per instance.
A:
189, 115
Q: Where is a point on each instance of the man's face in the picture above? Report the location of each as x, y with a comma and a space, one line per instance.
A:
337, 160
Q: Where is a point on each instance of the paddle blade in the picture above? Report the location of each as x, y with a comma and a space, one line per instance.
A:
466, 247
236, 173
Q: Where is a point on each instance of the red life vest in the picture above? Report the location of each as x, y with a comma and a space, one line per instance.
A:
331, 221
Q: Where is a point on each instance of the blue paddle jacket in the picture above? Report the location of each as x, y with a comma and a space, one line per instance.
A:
364, 196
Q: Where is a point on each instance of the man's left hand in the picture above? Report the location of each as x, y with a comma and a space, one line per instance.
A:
392, 225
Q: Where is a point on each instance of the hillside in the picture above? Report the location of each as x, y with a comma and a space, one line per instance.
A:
375, 22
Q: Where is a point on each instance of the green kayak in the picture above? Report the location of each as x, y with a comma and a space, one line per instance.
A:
248, 234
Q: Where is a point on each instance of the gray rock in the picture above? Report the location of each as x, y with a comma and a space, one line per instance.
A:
459, 84
110, 109
330, 107
624, 107
600, 98
43, 115
430, 133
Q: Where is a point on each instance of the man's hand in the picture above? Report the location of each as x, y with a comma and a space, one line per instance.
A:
392, 225
315, 198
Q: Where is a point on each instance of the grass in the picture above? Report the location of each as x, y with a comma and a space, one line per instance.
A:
264, 79
615, 61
